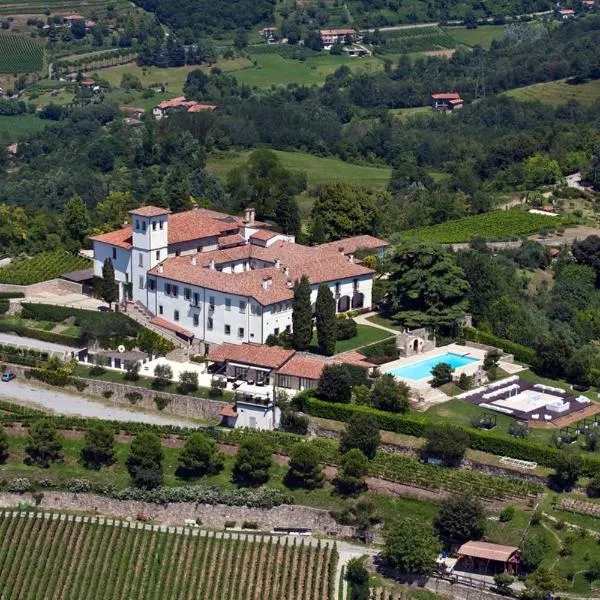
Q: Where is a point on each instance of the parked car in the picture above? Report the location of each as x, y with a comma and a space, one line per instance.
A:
8, 376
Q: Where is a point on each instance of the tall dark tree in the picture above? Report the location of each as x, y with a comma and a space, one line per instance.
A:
144, 462
199, 456
335, 384
361, 432
109, 290
3, 445
99, 446
44, 443
287, 215
305, 468
461, 519
252, 462
326, 320
302, 326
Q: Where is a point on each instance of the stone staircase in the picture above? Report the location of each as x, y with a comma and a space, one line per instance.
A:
142, 315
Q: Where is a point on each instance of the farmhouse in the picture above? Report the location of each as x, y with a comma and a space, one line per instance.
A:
336, 36
566, 13
446, 101
179, 104
217, 278
486, 558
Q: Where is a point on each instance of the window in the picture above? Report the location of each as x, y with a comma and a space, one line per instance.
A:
284, 381
177, 252
187, 293
152, 284
176, 315
160, 309
175, 290
114, 253
160, 225
337, 288
153, 225
240, 332
287, 328
256, 310
141, 282
209, 323
227, 329
196, 299
211, 303
355, 283
168, 289
196, 320
242, 306
276, 331
158, 255
140, 259
227, 303
137, 225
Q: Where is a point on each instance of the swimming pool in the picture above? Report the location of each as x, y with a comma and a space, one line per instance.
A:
422, 369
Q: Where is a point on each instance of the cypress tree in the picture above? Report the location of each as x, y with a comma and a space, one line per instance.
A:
317, 232
302, 326
326, 321
109, 289
287, 215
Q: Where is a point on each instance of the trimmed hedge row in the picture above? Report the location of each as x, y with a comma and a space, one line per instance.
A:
478, 440
520, 352
8, 295
39, 334
4, 306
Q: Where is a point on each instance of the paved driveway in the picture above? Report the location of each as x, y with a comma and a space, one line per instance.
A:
64, 403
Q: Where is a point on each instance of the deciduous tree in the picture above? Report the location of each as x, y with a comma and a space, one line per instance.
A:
361, 432
390, 394
461, 519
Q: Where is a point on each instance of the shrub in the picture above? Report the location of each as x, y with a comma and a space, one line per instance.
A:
292, 422
108, 394
37, 497
230, 524
249, 525
520, 352
162, 402
133, 371
442, 374
381, 352
361, 432
346, 329
188, 382
96, 370
162, 376
20, 485
507, 514
78, 486
79, 384
354, 466
134, 397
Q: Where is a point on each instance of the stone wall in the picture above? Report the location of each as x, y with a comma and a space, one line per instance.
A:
505, 357
184, 406
52, 286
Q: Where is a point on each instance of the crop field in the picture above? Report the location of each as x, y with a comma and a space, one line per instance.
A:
318, 170
42, 267
20, 54
558, 92
482, 36
414, 40
497, 225
37, 7
16, 127
45, 555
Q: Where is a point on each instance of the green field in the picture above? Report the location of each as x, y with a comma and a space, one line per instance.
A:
20, 54
47, 557
497, 225
482, 36
405, 113
318, 170
558, 92
37, 7
13, 128
366, 335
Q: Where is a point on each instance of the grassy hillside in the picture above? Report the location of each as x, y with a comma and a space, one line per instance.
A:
318, 170
482, 36
558, 92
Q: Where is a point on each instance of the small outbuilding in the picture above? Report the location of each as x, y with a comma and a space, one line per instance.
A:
489, 559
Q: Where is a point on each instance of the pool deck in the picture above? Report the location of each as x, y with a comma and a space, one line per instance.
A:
422, 385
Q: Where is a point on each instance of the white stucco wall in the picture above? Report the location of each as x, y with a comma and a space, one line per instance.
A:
257, 417
121, 264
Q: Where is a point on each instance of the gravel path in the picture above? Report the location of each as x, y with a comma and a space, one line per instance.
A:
23, 392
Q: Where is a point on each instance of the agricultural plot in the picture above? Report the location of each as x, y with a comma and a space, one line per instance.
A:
497, 225
37, 7
62, 558
16, 127
422, 39
482, 36
48, 265
558, 92
20, 54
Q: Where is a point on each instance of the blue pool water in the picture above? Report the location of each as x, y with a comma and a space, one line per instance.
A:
422, 370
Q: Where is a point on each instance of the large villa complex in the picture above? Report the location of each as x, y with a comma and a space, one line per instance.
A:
218, 278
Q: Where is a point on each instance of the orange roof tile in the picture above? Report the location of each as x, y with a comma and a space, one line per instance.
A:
120, 237
263, 235
228, 411
488, 551
172, 103
149, 211
195, 224
160, 322
231, 241
198, 107
446, 96
303, 366
352, 244
252, 354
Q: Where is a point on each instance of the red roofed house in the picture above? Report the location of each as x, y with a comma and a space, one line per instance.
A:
566, 13
336, 36
446, 101
180, 104
489, 559
222, 278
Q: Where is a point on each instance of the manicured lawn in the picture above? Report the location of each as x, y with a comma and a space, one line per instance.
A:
385, 322
366, 335
14, 128
318, 170
482, 36
558, 92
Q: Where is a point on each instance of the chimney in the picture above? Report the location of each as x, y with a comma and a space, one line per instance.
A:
193, 260
341, 249
277, 263
159, 268
351, 258
266, 283
249, 215
286, 271
211, 266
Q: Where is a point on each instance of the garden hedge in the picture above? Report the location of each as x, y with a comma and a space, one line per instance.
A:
39, 334
478, 440
8, 295
520, 352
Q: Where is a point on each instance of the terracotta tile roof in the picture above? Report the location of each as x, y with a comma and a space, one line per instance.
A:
231, 241
160, 322
446, 96
120, 237
252, 354
198, 107
303, 366
263, 235
353, 358
247, 284
567, 11
196, 224
172, 103
487, 551
228, 411
149, 211
352, 244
